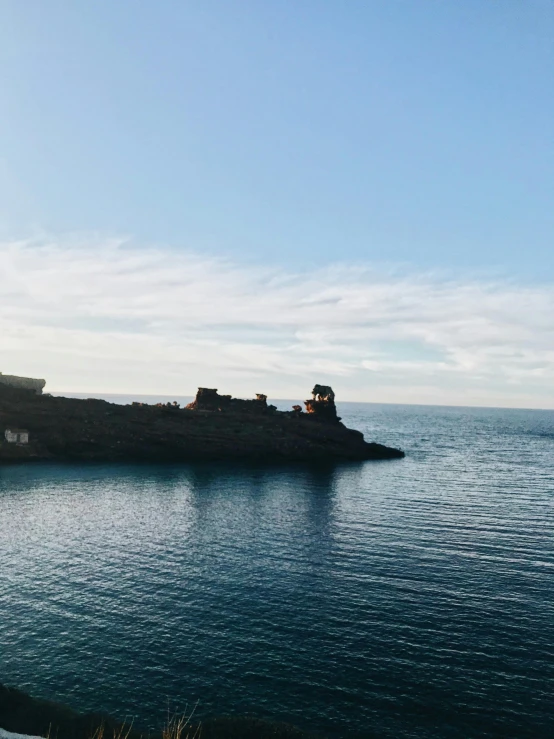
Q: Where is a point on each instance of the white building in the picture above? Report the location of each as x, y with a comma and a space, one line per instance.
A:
17, 436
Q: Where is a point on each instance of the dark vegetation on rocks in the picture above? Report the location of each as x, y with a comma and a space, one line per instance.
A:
213, 427
22, 714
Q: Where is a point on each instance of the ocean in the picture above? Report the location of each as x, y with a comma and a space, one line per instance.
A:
407, 598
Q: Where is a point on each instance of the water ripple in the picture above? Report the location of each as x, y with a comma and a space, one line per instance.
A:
401, 599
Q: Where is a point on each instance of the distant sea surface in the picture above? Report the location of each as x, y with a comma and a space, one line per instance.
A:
409, 598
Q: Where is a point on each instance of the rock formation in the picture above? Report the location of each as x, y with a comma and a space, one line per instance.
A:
208, 399
24, 383
323, 392
322, 406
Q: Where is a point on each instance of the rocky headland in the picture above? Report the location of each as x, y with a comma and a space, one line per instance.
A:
213, 427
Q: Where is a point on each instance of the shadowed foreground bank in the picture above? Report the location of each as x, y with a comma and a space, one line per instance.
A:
22, 714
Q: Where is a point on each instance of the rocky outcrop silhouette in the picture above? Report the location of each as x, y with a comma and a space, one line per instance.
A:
322, 406
212, 427
208, 399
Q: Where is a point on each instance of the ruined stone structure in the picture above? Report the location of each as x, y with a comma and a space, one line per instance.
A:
23, 383
208, 399
323, 392
322, 406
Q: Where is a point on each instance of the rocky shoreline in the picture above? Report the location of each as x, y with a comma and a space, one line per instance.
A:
213, 427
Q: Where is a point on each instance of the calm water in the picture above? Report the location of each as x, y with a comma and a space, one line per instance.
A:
412, 598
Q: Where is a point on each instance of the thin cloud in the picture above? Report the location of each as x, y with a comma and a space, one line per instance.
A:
107, 315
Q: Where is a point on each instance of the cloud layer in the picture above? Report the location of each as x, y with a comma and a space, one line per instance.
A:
110, 316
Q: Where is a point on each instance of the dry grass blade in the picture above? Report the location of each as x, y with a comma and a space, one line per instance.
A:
121, 732
180, 727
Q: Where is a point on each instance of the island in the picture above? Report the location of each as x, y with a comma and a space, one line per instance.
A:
37, 426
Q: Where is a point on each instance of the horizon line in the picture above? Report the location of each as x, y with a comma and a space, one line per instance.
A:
100, 396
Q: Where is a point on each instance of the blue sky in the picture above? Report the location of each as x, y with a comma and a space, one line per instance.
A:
408, 141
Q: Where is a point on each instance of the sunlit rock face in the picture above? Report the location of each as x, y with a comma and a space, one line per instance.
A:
207, 399
321, 405
322, 410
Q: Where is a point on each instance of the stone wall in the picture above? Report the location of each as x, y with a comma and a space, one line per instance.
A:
23, 383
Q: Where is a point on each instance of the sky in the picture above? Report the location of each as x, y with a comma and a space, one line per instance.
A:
259, 196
